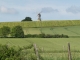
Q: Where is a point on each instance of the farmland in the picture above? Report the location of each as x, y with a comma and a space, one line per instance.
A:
49, 44
71, 31
49, 48
42, 23
67, 27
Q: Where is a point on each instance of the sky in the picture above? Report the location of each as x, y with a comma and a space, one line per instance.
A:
16, 10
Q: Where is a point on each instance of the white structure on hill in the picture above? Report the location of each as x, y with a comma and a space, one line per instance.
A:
39, 17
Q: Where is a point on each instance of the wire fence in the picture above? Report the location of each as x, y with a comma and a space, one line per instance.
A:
67, 54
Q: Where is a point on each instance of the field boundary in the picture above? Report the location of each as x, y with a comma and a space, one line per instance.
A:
30, 24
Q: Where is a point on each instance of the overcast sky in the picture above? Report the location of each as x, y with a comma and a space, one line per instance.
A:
16, 10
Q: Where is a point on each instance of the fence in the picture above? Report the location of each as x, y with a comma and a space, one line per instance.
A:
57, 55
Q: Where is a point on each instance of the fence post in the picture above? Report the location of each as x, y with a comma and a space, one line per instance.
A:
69, 52
36, 51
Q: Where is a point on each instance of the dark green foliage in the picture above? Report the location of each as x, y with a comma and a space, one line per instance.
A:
7, 53
46, 36
60, 36
4, 31
27, 19
0, 32
34, 36
17, 32
42, 35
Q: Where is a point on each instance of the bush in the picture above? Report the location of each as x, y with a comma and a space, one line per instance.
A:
4, 31
46, 36
27, 19
60, 36
17, 32
9, 53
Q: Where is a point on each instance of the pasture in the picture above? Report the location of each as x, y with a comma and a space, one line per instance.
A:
32, 24
71, 31
48, 44
50, 48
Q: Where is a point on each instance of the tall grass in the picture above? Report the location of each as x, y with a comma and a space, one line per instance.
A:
42, 23
51, 49
60, 56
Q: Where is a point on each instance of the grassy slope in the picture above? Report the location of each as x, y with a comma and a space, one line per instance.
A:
69, 30
68, 27
42, 23
48, 44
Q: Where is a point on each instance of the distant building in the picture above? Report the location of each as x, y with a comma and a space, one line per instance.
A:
39, 17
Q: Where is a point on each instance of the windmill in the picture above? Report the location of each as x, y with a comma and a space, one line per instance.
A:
39, 16
40, 22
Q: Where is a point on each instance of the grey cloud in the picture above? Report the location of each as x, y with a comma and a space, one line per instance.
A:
6, 10
48, 10
73, 9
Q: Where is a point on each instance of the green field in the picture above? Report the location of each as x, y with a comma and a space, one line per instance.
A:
72, 31
49, 47
49, 44
67, 27
54, 23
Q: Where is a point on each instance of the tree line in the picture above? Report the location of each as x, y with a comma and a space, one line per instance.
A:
17, 32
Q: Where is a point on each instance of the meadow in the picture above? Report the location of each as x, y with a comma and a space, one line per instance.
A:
49, 48
48, 44
71, 31
54, 23
67, 27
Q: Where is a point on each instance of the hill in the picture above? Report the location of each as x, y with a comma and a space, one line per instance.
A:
56, 23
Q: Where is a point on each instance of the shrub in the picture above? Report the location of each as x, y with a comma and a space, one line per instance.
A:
7, 53
27, 19
4, 31
60, 36
17, 32
46, 36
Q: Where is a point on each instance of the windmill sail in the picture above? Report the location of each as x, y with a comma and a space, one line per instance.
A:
39, 17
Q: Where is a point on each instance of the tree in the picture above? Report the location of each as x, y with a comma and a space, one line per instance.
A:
17, 32
4, 31
9, 53
27, 19
0, 32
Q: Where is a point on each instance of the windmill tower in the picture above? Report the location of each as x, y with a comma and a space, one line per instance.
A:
39, 17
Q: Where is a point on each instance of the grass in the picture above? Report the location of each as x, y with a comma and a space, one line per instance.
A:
14, 42
48, 44
53, 23
68, 30
51, 48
